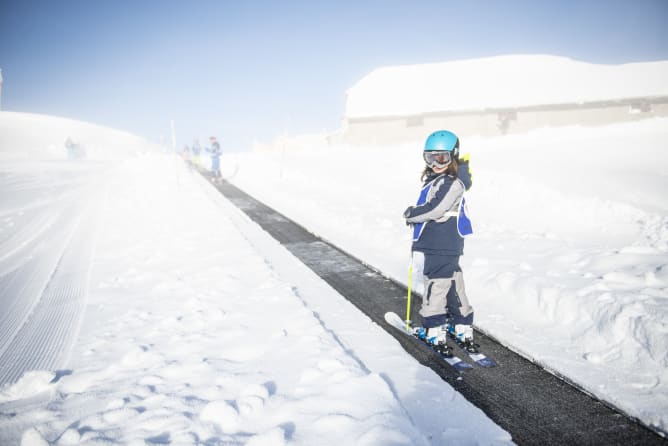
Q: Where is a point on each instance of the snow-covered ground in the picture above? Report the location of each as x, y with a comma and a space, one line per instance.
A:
197, 327
180, 321
569, 261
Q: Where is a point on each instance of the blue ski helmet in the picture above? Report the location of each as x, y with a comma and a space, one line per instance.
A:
442, 141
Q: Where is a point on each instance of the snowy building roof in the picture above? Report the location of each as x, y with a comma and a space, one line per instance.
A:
500, 82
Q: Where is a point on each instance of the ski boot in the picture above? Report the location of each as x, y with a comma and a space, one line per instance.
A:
436, 337
463, 336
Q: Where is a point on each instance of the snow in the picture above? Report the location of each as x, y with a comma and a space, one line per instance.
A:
29, 136
197, 327
500, 82
569, 261
200, 328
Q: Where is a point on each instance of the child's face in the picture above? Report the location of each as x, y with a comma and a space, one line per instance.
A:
439, 170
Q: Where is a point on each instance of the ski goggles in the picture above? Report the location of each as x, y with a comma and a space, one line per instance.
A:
437, 159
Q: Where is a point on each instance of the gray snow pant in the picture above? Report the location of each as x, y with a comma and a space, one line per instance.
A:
444, 294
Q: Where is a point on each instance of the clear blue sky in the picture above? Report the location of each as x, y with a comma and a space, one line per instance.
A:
248, 70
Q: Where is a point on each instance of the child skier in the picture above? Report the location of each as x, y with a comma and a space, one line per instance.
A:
445, 306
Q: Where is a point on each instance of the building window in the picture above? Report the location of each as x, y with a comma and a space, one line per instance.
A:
640, 107
415, 121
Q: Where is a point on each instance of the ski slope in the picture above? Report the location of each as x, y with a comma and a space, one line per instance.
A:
47, 235
198, 327
194, 326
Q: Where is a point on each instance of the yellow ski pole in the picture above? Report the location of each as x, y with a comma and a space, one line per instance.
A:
410, 287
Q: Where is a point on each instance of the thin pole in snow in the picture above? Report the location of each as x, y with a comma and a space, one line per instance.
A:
176, 168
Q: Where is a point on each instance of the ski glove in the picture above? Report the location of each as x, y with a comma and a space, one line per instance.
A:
407, 213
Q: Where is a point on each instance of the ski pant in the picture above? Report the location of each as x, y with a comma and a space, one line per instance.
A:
215, 166
444, 294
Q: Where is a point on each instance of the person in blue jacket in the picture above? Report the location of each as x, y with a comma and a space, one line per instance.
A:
445, 305
196, 151
215, 157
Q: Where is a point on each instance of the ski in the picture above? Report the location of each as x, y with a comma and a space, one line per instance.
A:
479, 358
397, 322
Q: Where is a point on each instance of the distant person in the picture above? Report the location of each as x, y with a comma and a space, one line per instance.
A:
69, 147
215, 157
196, 152
185, 154
446, 309
75, 151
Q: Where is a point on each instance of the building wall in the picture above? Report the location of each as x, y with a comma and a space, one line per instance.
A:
388, 130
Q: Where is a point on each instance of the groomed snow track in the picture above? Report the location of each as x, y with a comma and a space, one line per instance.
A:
44, 272
534, 405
